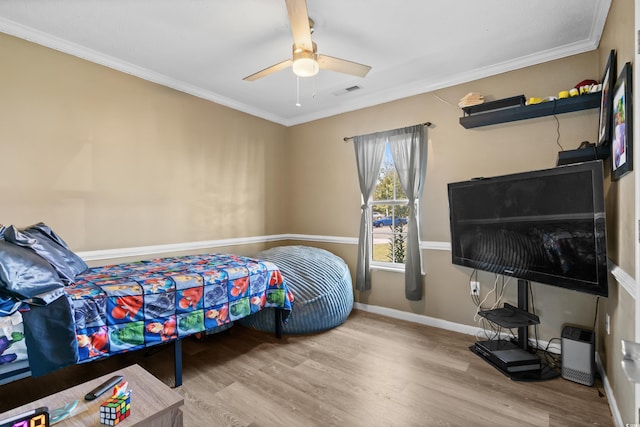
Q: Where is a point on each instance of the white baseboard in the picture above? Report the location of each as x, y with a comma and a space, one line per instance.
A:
418, 318
617, 417
443, 324
626, 281
472, 330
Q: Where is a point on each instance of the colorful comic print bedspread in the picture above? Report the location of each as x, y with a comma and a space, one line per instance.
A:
130, 306
14, 362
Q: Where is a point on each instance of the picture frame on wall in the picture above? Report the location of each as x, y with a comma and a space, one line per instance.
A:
622, 125
608, 83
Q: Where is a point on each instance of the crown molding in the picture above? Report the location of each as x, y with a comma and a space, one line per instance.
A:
433, 83
35, 36
428, 84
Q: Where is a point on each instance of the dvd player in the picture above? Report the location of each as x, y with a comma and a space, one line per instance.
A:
507, 355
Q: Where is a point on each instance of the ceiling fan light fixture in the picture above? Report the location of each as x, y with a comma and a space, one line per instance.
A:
305, 60
305, 63
305, 67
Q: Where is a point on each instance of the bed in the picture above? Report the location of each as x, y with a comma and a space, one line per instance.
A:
112, 309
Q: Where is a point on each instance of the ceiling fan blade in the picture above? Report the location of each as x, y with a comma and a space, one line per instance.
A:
299, 20
268, 70
342, 66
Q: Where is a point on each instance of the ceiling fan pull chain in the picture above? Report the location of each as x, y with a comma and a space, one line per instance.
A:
313, 87
298, 91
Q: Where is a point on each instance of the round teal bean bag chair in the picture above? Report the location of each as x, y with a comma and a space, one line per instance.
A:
321, 285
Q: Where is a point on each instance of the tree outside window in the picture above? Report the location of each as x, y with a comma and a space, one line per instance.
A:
390, 208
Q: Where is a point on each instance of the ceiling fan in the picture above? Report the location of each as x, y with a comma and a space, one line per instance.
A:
306, 61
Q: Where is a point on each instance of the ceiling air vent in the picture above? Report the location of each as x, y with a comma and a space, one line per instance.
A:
347, 90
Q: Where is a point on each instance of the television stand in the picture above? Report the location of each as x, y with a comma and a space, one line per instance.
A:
514, 359
510, 317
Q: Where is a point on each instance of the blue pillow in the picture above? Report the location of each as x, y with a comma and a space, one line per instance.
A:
26, 275
43, 241
76, 263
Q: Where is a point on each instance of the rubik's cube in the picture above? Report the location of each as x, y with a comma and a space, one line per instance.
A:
115, 409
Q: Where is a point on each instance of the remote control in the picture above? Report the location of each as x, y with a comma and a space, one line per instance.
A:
105, 386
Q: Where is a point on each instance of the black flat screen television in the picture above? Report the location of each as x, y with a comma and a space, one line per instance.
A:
546, 226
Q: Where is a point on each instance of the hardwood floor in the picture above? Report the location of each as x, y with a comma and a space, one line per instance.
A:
371, 371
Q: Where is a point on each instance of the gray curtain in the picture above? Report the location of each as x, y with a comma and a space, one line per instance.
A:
369, 154
409, 151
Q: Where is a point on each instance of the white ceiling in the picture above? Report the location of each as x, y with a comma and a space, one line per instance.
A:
206, 47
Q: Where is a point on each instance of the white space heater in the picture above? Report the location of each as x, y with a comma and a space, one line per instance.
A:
578, 355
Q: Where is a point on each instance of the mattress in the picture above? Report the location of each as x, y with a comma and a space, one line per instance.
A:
125, 307
128, 306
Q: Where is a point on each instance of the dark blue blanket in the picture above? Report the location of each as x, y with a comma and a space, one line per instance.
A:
50, 334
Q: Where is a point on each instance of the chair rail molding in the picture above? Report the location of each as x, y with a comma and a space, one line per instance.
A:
108, 254
627, 281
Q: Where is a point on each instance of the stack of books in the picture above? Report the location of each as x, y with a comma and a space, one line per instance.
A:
470, 99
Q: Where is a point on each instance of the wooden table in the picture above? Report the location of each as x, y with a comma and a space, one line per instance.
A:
153, 403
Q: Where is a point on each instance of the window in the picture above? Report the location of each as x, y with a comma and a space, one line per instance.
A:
390, 208
377, 171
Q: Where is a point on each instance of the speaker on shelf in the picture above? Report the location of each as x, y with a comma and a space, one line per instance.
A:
584, 153
578, 355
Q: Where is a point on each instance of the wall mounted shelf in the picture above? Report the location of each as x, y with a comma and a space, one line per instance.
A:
566, 105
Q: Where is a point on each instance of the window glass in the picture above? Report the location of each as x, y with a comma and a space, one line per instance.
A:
390, 211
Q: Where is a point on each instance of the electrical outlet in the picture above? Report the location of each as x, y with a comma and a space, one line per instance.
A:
607, 323
475, 287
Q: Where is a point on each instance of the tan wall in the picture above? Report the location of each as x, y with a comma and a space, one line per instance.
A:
458, 154
327, 198
111, 161
620, 199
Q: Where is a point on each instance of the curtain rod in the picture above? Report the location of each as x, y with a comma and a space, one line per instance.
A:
427, 124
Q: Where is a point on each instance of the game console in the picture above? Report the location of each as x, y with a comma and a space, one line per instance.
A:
507, 356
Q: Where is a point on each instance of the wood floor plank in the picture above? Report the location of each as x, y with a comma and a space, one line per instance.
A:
302, 396
483, 408
370, 371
